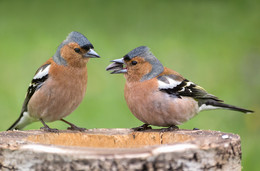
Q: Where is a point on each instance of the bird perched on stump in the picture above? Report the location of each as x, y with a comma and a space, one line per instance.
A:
59, 85
159, 96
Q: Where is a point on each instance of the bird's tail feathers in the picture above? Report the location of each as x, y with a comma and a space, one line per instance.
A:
211, 104
21, 122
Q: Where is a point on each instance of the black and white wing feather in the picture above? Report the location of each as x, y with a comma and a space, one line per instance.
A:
184, 88
168, 84
38, 80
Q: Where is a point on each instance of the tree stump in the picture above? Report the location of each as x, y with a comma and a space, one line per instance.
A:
120, 149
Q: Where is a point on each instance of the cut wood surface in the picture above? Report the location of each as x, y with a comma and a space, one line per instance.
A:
120, 149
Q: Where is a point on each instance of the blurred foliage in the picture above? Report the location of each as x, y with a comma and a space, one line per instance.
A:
215, 44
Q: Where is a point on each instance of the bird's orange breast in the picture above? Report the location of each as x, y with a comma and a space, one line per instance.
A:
152, 106
60, 95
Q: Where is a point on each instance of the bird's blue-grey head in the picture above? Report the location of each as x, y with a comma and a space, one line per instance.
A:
81, 40
144, 52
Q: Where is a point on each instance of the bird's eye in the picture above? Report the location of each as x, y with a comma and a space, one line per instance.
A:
77, 50
133, 62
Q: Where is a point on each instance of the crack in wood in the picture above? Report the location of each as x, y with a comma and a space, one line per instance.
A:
161, 137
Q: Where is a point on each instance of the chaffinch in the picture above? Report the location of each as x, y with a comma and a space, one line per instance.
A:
59, 85
160, 96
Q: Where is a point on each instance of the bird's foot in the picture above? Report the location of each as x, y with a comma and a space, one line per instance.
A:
195, 129
75, 128
48, 129
170, 128
142, 128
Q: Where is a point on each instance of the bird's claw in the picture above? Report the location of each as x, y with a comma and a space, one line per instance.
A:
75, 128
170, 128
48, 129
142, 128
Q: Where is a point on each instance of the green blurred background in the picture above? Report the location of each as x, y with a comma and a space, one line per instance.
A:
215, 44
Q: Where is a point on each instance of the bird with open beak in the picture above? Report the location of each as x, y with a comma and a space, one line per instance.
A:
159, 96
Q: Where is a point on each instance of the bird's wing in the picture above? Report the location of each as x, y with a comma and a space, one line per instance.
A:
173, 85
38, 80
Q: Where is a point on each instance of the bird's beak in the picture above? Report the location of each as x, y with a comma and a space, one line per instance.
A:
117, 67
91, 54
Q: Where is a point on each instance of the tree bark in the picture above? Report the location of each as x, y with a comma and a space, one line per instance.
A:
120, 149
